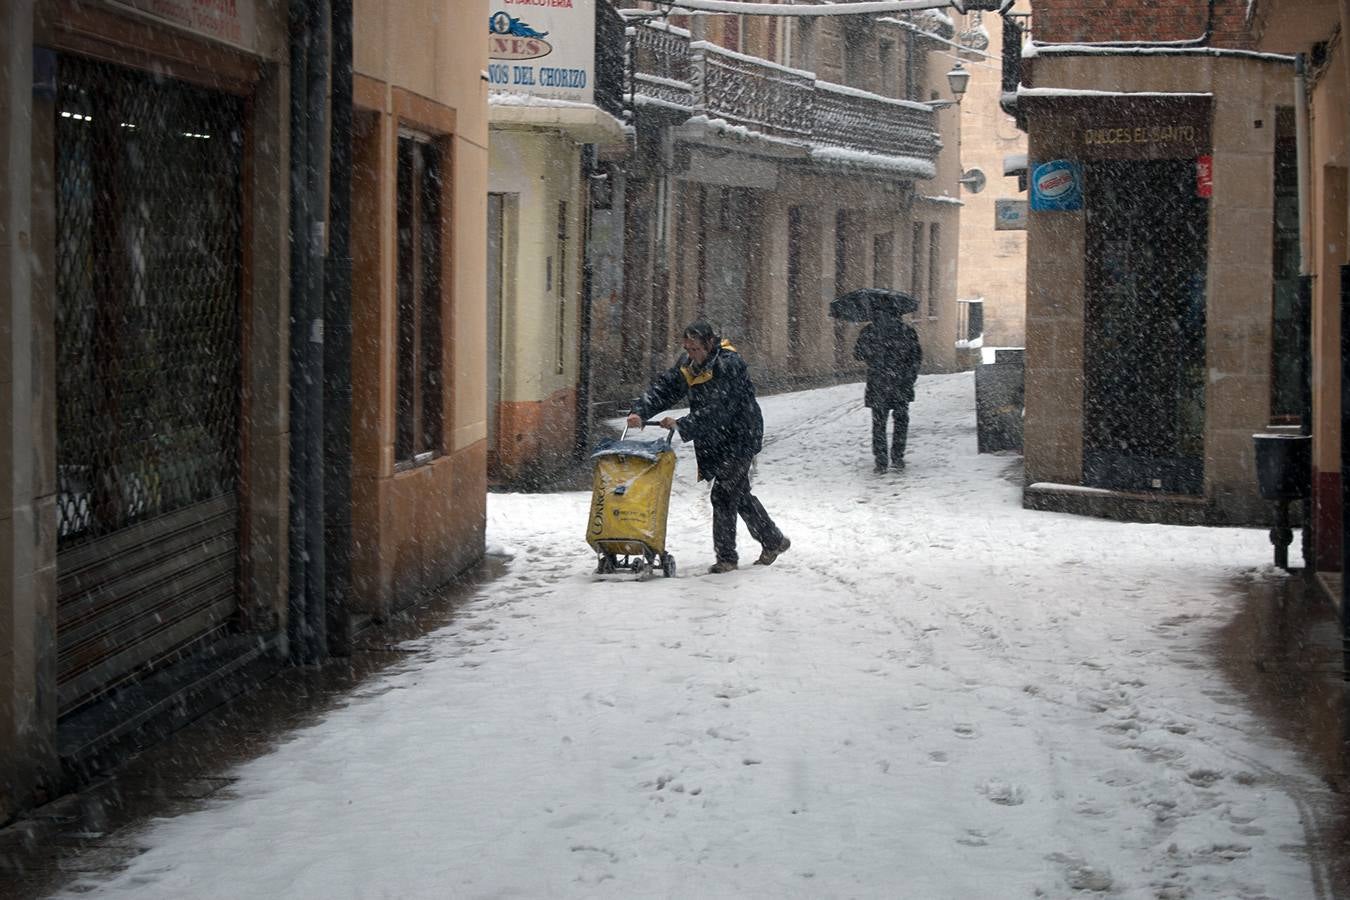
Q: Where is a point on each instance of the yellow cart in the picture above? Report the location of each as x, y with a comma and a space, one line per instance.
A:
630, 498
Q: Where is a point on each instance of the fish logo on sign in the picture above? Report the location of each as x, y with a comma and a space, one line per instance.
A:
510, 38
1057, 186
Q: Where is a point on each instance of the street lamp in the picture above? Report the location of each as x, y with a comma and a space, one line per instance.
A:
958, 78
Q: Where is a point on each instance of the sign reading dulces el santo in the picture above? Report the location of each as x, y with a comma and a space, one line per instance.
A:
230, 21
542, 48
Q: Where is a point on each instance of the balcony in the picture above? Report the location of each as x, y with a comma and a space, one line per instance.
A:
775, 110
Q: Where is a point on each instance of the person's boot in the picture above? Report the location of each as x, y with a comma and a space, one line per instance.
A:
722, 566
767, 557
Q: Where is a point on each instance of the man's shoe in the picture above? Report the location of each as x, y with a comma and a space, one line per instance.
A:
879, 469
898, 464
722, 566
767, 557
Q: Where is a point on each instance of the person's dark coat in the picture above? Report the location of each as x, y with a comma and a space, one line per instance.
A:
724, 422
893, 356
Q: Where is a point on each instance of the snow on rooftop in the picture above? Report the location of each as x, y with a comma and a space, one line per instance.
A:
1084, 92
900, 165
860, 94
757, 61
515, 98
1032, 49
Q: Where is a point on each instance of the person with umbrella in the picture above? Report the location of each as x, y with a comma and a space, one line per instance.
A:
890, 348
727, 429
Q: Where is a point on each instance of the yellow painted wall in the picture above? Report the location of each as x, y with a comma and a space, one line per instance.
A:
541, 169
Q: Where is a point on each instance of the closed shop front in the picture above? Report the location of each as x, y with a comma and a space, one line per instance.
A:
149, 281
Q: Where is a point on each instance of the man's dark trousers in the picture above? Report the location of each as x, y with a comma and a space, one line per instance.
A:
731, 497
900, 433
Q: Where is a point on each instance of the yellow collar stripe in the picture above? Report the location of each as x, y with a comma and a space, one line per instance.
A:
692, 379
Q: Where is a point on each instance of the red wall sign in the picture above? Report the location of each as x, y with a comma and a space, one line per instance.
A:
1204, 176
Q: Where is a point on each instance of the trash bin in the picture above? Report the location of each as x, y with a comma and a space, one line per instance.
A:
999, 399
1283, 465
1283, 474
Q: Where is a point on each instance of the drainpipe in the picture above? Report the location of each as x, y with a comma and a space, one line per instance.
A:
1345, 470
306, 626
583, 436
1303, 299
316, 151
337, 348
297, 568
1301, 315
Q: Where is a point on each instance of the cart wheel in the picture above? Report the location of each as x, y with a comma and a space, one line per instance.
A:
643, 568
606, 565
668, 565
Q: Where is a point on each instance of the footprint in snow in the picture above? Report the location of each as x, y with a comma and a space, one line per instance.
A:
1003, 793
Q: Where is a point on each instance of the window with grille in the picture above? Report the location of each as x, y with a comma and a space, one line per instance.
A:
934, 267
417, 434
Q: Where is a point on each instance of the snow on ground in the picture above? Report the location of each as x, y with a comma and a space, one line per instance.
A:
934, 694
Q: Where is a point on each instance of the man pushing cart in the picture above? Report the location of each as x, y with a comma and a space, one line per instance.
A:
727, 429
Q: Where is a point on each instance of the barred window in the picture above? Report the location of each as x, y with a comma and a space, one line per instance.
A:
417, 437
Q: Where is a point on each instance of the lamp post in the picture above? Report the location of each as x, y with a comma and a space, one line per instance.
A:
958, 78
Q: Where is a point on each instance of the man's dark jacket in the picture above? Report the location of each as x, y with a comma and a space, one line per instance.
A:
893, 356
724, 421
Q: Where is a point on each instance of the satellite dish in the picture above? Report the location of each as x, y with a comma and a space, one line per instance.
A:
973, 179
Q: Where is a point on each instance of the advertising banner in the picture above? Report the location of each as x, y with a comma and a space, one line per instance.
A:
542, 48
1057, 186
1204, 176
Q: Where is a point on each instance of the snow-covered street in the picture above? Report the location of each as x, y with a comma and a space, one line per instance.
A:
933, 694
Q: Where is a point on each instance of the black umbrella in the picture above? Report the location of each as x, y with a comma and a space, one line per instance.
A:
866, 304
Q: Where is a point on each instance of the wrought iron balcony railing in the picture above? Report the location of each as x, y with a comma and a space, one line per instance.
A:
660, 66
849, 119
773, 100
776, 103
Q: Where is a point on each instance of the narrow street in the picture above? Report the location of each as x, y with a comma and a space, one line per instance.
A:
933, 694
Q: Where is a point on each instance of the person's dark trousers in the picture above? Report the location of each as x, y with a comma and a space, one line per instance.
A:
899, 435
731, 497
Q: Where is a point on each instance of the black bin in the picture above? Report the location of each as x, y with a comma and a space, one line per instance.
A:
1284, 465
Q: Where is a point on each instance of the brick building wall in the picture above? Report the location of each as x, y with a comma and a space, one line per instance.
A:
1089, 21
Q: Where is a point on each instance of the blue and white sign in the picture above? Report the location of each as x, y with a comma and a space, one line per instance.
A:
1010, 215
1057, 186
542, 48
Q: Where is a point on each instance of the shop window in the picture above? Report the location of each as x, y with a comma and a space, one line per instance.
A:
1284, 365
934, 268
417, 433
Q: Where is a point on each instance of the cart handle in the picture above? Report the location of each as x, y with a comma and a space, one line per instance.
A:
670, 433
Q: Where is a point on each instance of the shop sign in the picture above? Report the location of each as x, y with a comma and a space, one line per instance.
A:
1141, 134
542, 48
1204, 176
1057, 186
1010, 215
229, 21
